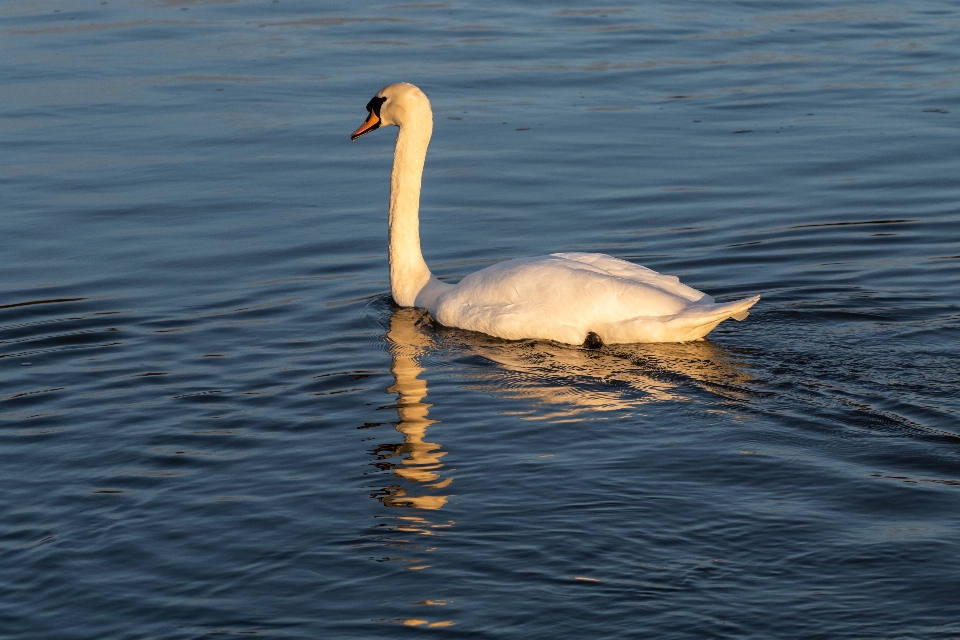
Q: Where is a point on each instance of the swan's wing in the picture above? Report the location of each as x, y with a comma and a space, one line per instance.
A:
559, 297
629, 271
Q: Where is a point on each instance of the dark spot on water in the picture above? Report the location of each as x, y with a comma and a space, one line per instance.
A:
592, 341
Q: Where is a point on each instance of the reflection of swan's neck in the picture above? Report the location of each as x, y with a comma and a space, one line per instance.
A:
422, 462
411, 390
408, 272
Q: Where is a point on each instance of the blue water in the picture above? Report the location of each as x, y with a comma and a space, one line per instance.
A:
214, 422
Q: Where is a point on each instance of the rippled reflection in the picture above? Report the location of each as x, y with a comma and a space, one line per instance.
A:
415, 461
419, 483
562, 382
556, 382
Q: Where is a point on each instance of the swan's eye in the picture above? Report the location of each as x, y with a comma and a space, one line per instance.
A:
375, 103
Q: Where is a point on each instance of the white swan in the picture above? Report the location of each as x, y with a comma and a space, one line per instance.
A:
575, 298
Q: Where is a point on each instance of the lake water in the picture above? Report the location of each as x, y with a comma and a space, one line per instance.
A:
213, 420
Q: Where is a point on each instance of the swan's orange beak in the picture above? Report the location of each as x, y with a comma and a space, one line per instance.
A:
371, 123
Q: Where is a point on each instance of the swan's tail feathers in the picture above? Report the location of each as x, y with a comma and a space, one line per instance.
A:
736, 309
690, 324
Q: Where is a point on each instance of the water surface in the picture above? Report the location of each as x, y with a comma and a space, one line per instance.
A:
214, 422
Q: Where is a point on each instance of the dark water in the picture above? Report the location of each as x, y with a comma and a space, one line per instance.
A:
212, 421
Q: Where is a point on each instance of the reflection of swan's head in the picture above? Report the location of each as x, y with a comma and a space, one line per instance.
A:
397, 104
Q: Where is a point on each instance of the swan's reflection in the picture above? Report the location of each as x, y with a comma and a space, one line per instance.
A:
418, 487
416, 461
564, 382
558, 383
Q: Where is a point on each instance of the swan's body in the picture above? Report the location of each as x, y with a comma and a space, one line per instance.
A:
566, 297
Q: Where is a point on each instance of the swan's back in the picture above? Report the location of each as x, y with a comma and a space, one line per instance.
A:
602, 263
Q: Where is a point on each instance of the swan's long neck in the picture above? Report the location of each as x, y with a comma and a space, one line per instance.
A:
408, 271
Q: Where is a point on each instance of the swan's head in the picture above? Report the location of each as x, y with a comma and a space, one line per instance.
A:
397, 104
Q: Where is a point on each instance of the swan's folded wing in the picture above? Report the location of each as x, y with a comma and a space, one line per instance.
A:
636, 273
